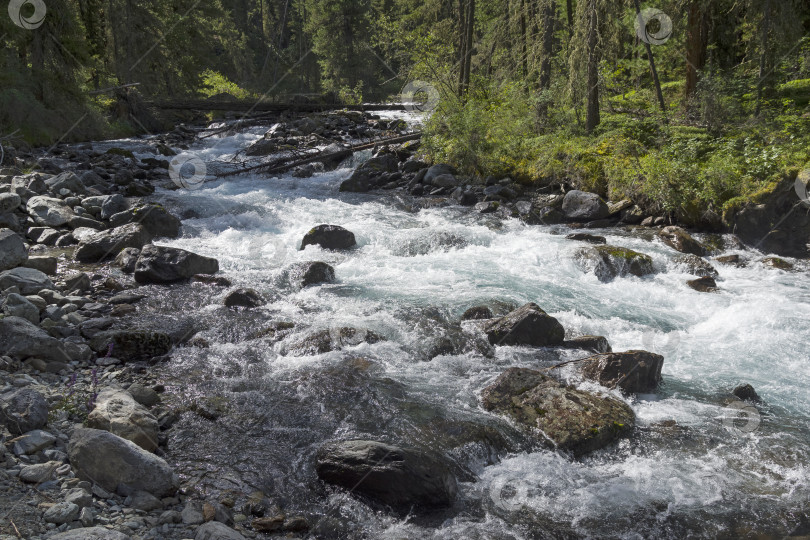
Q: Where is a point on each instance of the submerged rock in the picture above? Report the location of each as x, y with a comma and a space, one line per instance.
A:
610, 262
312, 273
400, 478
696, 265
477, 313
117, 464
333, 339
246, 298
528, 325
164, 265
704, 284
590, 238
132, 345
332, 237
746, 392
567, 418
632, 371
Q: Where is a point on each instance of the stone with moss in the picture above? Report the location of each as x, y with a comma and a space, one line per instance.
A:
610, 262
563, 417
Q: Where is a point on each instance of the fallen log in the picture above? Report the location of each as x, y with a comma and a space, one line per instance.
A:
285, 164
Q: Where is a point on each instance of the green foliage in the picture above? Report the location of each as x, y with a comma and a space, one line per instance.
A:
214, 83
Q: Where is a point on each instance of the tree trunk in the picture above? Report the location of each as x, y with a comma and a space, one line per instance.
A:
524, 40
696, 42
763, 55
569, 8
549, 18
652, 66
466, 62
592, 119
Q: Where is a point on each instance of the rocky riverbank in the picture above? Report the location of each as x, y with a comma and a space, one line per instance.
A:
87, 414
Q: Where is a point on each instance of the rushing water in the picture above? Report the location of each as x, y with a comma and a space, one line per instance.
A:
409, 280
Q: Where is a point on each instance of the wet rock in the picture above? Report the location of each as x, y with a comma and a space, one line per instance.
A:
217, 281
312, 273
246, 298
582, 206
144, 395
164, 265
680, 240
63, 512
132, 345
590, 238
704, 284
46, 265
334, 339
487, 207
436, 171
735, 260
569, 419
331, 237
117, 411
153, 217
696, 265
633, 215
477, 313
362, 179
268, 524
632, 371
214, 530
528, 325
597, 344
777, 263
13, 251
108, 244
126, 260
126, 298
27, 280
610, 262
115, 463
23, 410
401, 478
746, 392
91, 533
49, 212
20, 339
78, 281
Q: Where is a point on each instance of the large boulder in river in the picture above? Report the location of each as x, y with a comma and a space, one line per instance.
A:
117, 464
48, 211
528, 325
332, 237
20, 339
132, 345
567, 418
632, 371
680, 240
13, 251
583, 206
311, 273
610, 262
23, 410
244, 298
28, 280
163, 265
154, 218
108, 244
400, 478
117, 411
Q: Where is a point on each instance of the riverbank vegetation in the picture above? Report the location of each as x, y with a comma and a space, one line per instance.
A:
686, 106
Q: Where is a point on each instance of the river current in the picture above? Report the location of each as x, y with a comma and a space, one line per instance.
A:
692, 468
